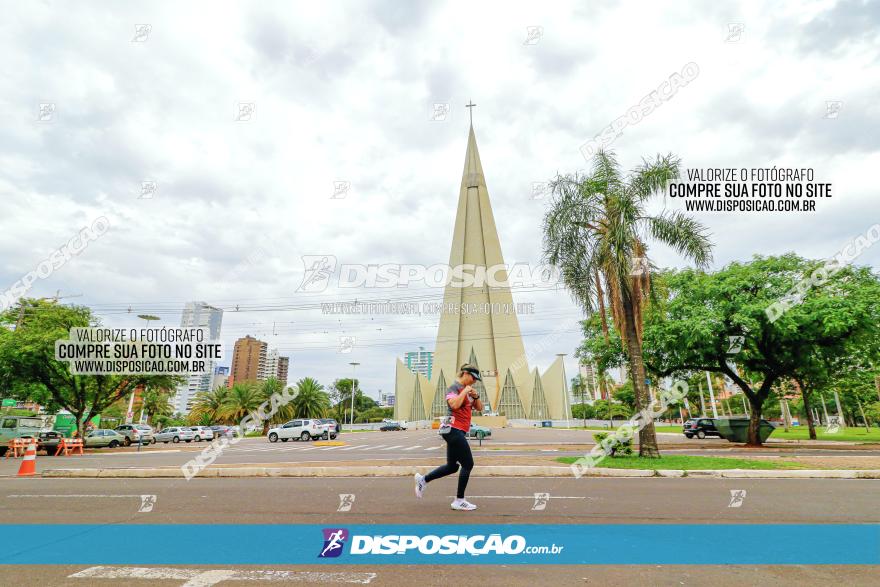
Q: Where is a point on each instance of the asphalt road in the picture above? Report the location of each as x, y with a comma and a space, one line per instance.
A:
390, 500
410, 445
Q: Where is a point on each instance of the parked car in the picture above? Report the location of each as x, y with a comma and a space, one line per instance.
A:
700, 427
478, 431
18, 427
333, 426
201, 433
104, 437
49, 441
392, 426
175, 434
220, 431
135, 433
299, 430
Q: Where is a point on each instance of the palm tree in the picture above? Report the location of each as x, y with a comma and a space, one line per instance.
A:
210, 404
270, 387
157, 403
243, 398
310, 401
596, 231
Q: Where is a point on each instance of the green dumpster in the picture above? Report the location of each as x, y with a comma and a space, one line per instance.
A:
737, 429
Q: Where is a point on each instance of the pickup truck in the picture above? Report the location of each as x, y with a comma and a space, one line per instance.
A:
18, 427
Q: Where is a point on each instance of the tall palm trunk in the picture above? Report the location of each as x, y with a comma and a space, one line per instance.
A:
600, 297
647, 435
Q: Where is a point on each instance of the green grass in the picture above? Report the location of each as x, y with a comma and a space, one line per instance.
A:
795, 433
845, 434
687, 463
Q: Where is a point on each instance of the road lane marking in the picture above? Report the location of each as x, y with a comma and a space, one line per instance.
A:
206, 578
434, 448
69, 495
393, 447
413, 447
523, 497
146, 505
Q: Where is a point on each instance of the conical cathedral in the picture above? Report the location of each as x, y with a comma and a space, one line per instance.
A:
487, 339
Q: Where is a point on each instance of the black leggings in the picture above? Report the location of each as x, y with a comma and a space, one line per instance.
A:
458, 452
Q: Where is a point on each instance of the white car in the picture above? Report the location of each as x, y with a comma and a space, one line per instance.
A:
201, 433
299, 430
175, 434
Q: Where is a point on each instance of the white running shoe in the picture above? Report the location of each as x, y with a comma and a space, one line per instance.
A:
420, 485
463, 505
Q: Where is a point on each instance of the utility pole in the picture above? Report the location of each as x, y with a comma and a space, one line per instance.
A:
24, 304
353, 390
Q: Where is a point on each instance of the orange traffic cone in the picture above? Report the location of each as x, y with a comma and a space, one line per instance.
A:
29, 463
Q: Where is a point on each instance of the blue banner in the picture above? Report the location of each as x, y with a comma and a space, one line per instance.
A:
368, 544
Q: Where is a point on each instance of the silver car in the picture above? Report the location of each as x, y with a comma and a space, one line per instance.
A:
103, 437
135, 433
175, 434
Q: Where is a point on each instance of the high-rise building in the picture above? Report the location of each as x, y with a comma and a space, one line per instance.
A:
386, 398
198, 315
276, 366
248, 360
420, 361
221, 377
270, 367
587, 371
283, 368
489, 340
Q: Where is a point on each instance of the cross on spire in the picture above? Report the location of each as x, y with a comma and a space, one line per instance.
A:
470, 107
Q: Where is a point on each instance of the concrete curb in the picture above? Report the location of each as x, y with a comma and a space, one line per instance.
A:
486, 471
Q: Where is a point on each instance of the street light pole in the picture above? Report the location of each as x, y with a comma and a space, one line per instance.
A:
129, 415
353, 390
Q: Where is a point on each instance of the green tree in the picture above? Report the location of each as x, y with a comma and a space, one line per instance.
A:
583, 412
596, 233
270, 387
310, 400
626, 395
157, 402
691, 331
211, 405
244, 397
28, 368
340, 397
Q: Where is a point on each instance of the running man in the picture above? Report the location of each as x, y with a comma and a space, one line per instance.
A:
462, 399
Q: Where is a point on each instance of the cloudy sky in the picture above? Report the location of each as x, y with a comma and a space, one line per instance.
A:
100, 99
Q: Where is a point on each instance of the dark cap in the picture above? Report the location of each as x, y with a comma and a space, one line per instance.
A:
471, 370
